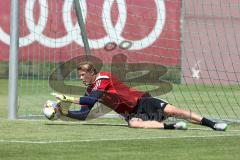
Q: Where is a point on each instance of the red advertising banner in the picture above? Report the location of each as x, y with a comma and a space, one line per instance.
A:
144, 30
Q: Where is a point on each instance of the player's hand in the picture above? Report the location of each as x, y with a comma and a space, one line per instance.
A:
64, 98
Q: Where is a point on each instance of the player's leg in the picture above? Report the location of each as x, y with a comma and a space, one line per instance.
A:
173, 111
150, 114
139, 123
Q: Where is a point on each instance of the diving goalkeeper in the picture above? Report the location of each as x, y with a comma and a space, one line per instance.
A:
139, 109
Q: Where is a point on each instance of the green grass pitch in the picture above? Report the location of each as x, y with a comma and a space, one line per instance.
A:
108, 138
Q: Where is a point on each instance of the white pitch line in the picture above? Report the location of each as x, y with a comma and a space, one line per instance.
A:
114, 139
117, 124
209, 129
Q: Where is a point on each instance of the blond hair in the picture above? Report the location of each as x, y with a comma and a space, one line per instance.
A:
87, 67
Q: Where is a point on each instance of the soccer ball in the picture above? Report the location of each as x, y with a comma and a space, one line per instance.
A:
50, 110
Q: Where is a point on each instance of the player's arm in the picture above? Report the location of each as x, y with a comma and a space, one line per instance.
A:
87, 103
89, 100
65, 98
101, 85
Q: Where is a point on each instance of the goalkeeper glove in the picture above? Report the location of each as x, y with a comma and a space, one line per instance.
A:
64, 98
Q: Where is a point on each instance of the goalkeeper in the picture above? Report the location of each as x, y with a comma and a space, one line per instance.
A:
139, 109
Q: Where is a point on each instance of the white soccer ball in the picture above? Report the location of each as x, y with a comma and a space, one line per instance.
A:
49, 109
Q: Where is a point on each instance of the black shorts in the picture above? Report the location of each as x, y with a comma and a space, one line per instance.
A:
150, 108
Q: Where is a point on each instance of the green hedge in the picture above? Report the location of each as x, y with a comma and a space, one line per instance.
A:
3, 69
43, 70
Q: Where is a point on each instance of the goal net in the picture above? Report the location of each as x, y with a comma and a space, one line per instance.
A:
186, 52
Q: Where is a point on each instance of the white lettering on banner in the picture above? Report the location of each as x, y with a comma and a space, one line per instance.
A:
196, 70
73, 31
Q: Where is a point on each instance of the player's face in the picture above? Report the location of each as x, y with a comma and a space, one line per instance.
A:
86, 77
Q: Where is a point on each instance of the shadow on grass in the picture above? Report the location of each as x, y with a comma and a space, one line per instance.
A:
87, 124
105, 124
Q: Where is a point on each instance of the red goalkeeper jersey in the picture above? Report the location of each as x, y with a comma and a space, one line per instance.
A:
116, 95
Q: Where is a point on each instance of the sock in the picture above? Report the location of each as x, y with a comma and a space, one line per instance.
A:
169, 126
207, 122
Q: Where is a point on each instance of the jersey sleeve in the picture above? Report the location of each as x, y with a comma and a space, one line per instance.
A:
91, 99
85, 106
